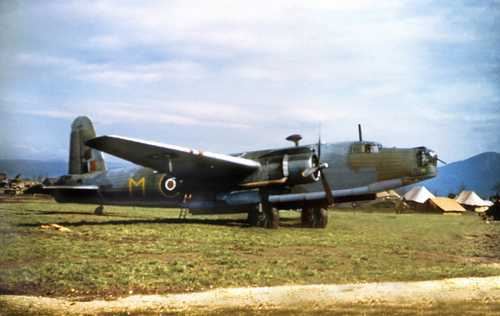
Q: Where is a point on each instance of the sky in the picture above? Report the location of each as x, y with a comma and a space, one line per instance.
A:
229, 76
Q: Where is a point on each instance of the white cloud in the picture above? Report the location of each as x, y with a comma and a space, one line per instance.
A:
48, 113
173, 113
293, 27
105, 42
39, 60
471, 116
27, 148
278, 41
116, 74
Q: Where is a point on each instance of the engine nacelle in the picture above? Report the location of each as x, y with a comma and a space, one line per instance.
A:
284, 169
293, 167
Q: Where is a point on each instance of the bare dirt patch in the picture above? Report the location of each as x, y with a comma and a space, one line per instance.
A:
289, 298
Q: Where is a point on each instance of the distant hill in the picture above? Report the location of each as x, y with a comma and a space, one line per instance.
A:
33, 168
478, 173
38, 168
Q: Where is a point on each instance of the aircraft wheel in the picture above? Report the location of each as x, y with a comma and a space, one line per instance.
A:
99, 210
263, 216
306, 217
272, 218
268, 217
320, 217
253, 216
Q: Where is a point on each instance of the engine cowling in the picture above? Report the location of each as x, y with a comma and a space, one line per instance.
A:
293, 167
284, 169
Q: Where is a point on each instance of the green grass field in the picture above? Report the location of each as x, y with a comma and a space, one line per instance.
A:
144, 250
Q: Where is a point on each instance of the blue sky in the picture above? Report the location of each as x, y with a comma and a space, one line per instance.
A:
228, 76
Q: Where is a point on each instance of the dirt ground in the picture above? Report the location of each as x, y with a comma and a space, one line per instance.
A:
299, 298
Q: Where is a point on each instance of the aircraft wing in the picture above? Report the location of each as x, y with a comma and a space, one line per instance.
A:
180, 161
71, 187
51, 189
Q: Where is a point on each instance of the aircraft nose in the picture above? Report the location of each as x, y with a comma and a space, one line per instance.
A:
432, 156
427, 159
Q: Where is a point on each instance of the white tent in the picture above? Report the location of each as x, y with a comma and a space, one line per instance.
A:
419, 195
470, 198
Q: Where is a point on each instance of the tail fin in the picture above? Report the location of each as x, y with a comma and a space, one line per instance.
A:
83, 159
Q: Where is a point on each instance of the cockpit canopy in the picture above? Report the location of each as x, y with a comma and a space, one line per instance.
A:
365, 147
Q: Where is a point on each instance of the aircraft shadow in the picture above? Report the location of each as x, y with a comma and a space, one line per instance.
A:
203, 221
91, 213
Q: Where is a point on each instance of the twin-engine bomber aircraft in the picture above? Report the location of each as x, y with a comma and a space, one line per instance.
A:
309, 178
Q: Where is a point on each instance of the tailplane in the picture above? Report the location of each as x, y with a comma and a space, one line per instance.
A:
83, 159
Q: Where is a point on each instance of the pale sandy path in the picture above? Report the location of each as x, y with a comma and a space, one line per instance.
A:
294, 297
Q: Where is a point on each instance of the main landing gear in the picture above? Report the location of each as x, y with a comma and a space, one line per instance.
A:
264, 215
316, 217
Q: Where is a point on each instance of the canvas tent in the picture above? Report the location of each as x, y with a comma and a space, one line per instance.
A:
418, 195
472, 201
391, 194
386, 200
445, 205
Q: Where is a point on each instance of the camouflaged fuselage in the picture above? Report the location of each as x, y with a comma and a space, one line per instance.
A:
355, 168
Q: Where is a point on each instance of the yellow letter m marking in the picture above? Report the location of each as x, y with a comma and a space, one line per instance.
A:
139, 183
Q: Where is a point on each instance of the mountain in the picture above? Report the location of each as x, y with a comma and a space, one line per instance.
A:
38, 168
479, 173
33, 168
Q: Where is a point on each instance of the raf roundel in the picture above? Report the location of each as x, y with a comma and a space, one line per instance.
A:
170, 184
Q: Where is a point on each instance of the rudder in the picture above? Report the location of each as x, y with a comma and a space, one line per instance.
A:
83, 159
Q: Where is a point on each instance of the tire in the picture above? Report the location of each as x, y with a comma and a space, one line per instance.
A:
263, 215
320, 218
253, 216
272, 218
306, 217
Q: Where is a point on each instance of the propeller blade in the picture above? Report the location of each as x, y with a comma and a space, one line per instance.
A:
319, 148
319, 167
327, 188
309, 171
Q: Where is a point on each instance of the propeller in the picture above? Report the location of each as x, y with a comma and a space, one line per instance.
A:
318, 167
324, 181
312, 170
